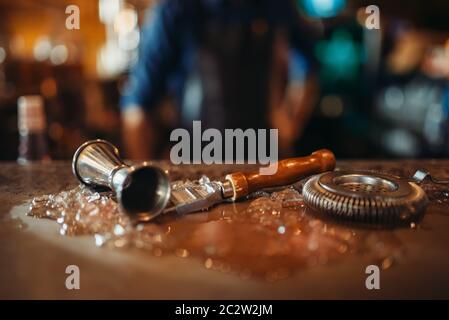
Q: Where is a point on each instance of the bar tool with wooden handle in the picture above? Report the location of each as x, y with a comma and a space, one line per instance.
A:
144, 191
199, 195
288, 171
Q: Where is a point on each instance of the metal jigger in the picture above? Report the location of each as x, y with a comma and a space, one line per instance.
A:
142, 191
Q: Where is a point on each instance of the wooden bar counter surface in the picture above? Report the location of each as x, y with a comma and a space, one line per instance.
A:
34, 256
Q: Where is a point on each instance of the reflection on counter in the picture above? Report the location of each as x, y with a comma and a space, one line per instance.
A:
271, 237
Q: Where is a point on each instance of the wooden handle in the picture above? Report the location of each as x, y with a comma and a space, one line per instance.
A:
288, 171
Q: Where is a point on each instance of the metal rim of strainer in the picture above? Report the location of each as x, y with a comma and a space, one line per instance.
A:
365, 197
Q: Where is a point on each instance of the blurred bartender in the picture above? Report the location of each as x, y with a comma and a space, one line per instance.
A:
229, 63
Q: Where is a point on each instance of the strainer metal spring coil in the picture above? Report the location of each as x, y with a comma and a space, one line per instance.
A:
365, 197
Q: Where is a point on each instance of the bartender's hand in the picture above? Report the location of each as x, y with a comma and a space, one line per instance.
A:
288, 130
138, 135
292, 113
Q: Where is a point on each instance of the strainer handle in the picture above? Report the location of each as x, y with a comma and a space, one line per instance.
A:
421, 175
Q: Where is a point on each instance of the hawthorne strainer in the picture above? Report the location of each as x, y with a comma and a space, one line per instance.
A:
366, 197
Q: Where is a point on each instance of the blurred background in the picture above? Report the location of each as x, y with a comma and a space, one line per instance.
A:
379, 93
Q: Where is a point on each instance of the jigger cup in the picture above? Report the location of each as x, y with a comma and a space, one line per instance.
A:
142, 191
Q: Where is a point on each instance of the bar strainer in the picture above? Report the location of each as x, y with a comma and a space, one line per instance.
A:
365, 197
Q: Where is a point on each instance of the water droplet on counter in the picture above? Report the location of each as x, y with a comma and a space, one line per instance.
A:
100, 240
387, 263
342, 248
183, 253
281, 230
208, 263
120, 242
405, 215
119, 230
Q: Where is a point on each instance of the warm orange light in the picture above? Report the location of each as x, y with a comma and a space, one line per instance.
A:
49, 88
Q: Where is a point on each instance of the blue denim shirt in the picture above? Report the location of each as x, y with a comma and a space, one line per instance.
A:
176, 29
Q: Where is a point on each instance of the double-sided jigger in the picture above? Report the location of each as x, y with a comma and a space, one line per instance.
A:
144, 191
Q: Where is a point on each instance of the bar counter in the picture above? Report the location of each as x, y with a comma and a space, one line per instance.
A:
34, 256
